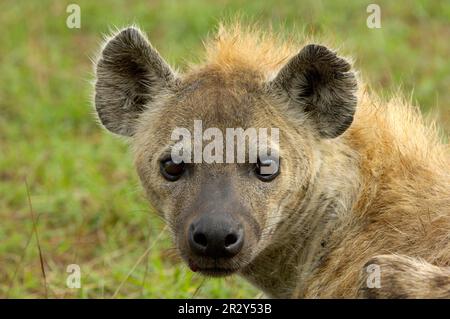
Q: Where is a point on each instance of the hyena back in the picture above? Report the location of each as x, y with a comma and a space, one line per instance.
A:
360, 181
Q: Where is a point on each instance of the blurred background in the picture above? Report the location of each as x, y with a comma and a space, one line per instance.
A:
87, 205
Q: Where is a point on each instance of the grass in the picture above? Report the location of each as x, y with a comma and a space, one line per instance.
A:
87, 204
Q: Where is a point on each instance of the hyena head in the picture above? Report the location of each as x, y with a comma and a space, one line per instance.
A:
222, 215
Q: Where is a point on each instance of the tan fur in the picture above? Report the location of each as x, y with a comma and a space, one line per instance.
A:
377, 194
403, 205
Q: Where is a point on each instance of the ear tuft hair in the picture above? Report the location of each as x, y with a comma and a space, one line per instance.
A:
130, 73
322, 85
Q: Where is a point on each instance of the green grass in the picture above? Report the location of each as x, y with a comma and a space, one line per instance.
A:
87, 201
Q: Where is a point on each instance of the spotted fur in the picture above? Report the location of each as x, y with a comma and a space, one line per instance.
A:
363, 181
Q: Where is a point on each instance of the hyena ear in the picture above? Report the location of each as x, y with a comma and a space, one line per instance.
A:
130, 74
322, 85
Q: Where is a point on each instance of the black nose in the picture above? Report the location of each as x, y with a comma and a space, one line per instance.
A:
216, 237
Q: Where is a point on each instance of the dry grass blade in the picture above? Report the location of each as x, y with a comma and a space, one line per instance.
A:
41, 258
16, 271
146, 252
144, 279
198, 288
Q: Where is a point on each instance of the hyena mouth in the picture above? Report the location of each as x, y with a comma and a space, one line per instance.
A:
211, 271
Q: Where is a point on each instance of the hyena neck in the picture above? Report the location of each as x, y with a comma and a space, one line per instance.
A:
313, 229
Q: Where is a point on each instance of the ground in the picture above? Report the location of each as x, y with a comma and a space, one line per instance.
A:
86, 201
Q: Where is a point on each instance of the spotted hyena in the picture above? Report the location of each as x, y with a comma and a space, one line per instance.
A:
359, 183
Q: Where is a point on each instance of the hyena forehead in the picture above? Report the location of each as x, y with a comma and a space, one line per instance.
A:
219, 99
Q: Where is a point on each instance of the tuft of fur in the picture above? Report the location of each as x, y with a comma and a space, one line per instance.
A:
247, 47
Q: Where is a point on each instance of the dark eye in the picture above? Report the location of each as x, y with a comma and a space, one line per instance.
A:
266, 169
171, 170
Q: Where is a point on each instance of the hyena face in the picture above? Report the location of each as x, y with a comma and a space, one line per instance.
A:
222, 214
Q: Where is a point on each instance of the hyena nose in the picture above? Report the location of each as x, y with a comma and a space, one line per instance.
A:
215, 237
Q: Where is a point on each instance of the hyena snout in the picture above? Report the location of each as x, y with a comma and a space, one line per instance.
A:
216, 236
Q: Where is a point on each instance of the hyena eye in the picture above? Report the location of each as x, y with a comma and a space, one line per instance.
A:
171, 170
266, 169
